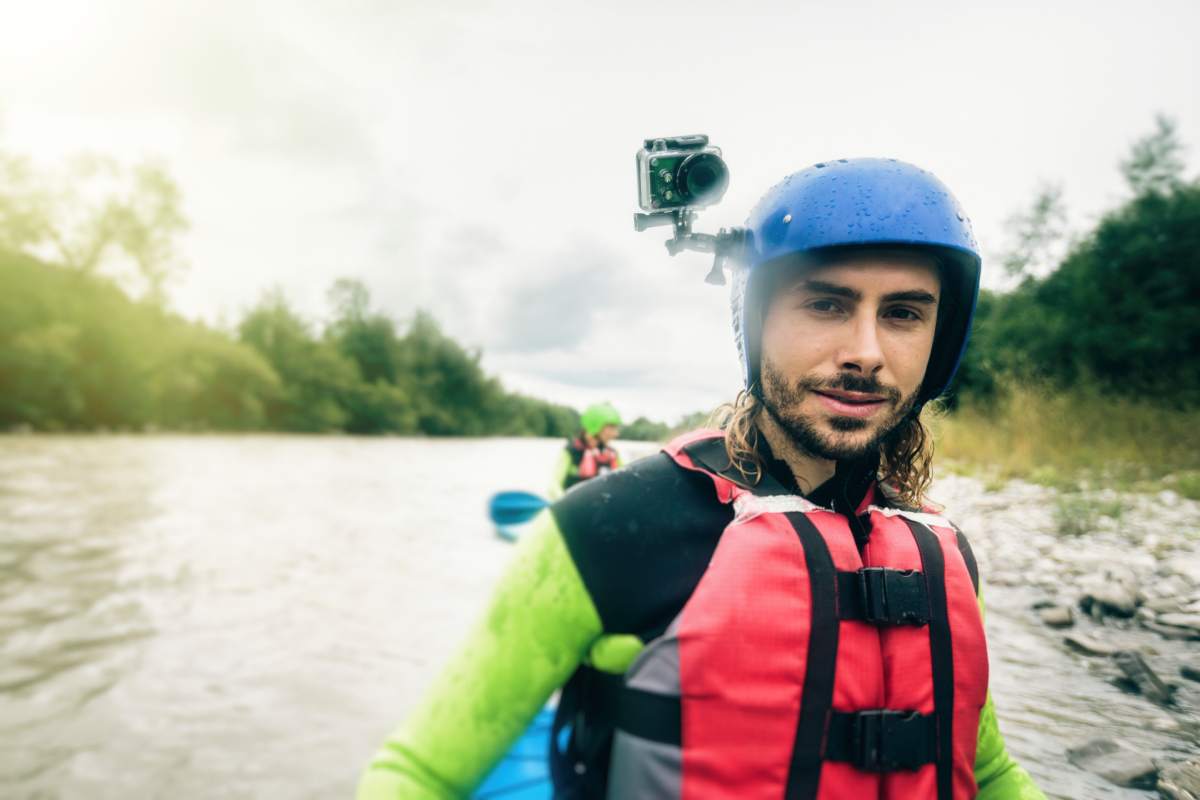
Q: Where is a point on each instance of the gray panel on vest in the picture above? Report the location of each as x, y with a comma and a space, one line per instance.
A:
656, 669
641, 768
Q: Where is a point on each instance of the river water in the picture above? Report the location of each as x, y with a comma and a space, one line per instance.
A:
247, 617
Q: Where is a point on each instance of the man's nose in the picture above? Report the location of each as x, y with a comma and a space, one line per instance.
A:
861, 352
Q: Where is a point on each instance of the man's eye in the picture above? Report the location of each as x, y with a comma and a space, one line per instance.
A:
905, 314
824, 306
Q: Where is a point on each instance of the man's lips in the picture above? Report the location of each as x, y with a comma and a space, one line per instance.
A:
850, 404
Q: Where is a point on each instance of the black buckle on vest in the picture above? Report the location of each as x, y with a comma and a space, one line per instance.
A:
882, 740
893, 597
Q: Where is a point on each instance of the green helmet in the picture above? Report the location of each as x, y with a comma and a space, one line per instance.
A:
596, 416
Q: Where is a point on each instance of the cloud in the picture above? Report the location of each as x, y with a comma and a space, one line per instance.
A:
575, 290
560, 311
227, 70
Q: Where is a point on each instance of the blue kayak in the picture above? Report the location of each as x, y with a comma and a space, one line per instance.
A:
524, 772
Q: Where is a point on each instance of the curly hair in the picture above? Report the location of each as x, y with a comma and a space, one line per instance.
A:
905, 454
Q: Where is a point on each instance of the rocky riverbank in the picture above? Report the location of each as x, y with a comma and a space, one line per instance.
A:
1109, 583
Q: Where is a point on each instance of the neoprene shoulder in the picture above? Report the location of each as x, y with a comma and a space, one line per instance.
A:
622, 529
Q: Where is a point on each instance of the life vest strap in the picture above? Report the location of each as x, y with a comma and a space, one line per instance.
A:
883, 596
876, 740
882, 740
650, 715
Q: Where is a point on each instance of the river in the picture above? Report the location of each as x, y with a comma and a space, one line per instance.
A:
248, 616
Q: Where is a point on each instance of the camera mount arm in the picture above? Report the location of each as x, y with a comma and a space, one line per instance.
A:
724, 245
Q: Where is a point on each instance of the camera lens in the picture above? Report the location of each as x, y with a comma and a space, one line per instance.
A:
702, 178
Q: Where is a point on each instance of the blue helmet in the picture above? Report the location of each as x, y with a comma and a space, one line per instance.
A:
861, 202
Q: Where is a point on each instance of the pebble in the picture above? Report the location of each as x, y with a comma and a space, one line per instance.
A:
1116, 763
1162, 605
1057, 616
1180, 620
1143, 677
1180, 781
1090, 646
1114, 599
1186, 566
1172, 632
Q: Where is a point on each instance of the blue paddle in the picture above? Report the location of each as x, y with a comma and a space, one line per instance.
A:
514, 508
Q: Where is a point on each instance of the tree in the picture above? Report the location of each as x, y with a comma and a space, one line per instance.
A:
351, 301
1155, 163
24, 207
95, 214
368, 339
645, 430
1121, 310
317, 379
1036, 234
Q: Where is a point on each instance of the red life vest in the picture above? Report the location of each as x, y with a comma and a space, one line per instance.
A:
590, 461
804, 667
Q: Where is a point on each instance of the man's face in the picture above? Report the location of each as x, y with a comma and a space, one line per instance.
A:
844, 349
607, 434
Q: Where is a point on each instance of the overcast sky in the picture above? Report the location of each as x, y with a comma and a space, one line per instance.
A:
477, 159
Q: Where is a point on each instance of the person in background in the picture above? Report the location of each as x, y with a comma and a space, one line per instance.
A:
588, 454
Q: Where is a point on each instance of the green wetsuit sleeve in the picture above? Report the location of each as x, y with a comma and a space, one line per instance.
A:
536, 631
996, 774
562, 469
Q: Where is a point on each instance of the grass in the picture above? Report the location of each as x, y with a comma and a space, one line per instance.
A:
1074, 440
1076, 513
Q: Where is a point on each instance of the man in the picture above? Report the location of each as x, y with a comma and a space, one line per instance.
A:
588, 454
768, 610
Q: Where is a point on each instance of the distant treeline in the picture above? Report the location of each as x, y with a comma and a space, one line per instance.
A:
76, 353
1119, 314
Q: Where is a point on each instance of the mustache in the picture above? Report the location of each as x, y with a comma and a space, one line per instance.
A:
849, 382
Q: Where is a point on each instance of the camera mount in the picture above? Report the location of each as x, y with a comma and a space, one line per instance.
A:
724, 245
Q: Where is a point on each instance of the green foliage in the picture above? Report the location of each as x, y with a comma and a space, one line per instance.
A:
1122, 310
77, 353
316, 378
1035, 234
213, 383
644, 430
1188, 484
95, 215
1155, 162
1078, 513
1066, 438
1073, 515
697, 419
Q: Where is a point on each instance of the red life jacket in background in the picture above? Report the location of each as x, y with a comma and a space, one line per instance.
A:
804, 667
589, 461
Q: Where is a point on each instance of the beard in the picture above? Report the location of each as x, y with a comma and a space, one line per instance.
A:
851, 438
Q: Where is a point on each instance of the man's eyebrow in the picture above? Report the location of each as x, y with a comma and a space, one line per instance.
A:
821, 287
911, 296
